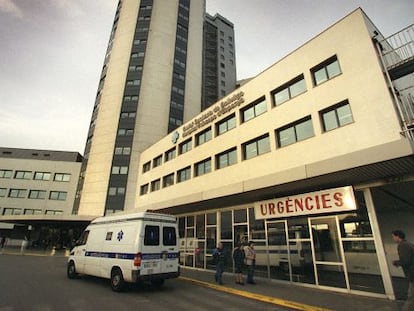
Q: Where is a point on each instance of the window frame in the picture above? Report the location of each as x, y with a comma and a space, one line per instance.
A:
202, 163
324, 66
184, 174
185, 146
252, 107
168, 180
5, 173
23, 175
294, 126
37, 194
60, 195
170, 154
43, 176
62, 177
226, 121
288, 87
256, 141
206, 134
228, 154
334, 109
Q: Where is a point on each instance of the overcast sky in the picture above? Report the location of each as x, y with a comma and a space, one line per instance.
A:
52, 51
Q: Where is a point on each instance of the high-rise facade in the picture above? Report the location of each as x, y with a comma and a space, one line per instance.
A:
150, 84
219, 64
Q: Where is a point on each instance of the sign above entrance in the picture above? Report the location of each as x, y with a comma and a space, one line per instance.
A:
318, 202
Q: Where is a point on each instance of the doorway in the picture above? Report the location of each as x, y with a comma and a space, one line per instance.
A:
328, 252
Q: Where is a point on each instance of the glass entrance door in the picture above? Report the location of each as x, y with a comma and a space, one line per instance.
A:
329, 263
278, 250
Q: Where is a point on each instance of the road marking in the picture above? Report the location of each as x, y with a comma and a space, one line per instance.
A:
267, 299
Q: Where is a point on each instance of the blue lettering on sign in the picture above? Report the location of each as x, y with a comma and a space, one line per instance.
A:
120, 235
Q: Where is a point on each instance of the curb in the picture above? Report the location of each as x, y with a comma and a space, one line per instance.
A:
262, 298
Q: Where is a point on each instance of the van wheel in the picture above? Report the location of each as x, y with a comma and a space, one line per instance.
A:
158, 282
117, 280
71, 270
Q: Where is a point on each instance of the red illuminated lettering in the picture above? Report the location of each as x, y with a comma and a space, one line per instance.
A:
338, 199
326, 200
280, 207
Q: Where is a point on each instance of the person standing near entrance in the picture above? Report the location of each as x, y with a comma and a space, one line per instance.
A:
250, 255
219, 258
238, 257
406, 262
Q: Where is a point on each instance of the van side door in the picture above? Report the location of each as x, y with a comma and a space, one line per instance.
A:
169, 249
151, 255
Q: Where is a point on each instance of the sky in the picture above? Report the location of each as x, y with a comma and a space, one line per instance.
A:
52, 52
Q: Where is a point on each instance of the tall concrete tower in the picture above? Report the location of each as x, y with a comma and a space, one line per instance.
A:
219, 65
151, 83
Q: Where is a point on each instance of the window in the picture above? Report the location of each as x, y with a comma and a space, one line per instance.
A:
256, 147
125, 132
133, 68
295, 132
203, 137
155, 185
113, 191
253, 110
23, 175
326, 70
169, 236
17, 193
127, 115
185, 146
119, 170
12, 211
84, 238
29, 211
122, 150
6, 173
226, 125
336, 116
152, 235
226, 158
58, 195
53, 212
178, 90
157, 161
37, 194
146, 167
133, 82
42, 176
128, 98
144, 189
289, 90
3, 192
168, 180
108, 236
202, 167
61, 177
170, 154
184, 174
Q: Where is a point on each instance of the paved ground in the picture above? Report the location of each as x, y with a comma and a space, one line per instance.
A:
287, 295
295, 297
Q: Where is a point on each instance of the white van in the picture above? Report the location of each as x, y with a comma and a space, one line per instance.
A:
128, 248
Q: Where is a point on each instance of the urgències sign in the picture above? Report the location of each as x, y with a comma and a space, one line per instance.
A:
318, 202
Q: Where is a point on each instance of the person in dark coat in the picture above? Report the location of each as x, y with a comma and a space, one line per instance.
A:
406, 262
220, 259
238, 257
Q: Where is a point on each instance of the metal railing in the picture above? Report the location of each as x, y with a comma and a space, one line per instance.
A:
398, 48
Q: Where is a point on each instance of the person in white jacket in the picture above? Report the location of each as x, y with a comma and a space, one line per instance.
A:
250, 257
